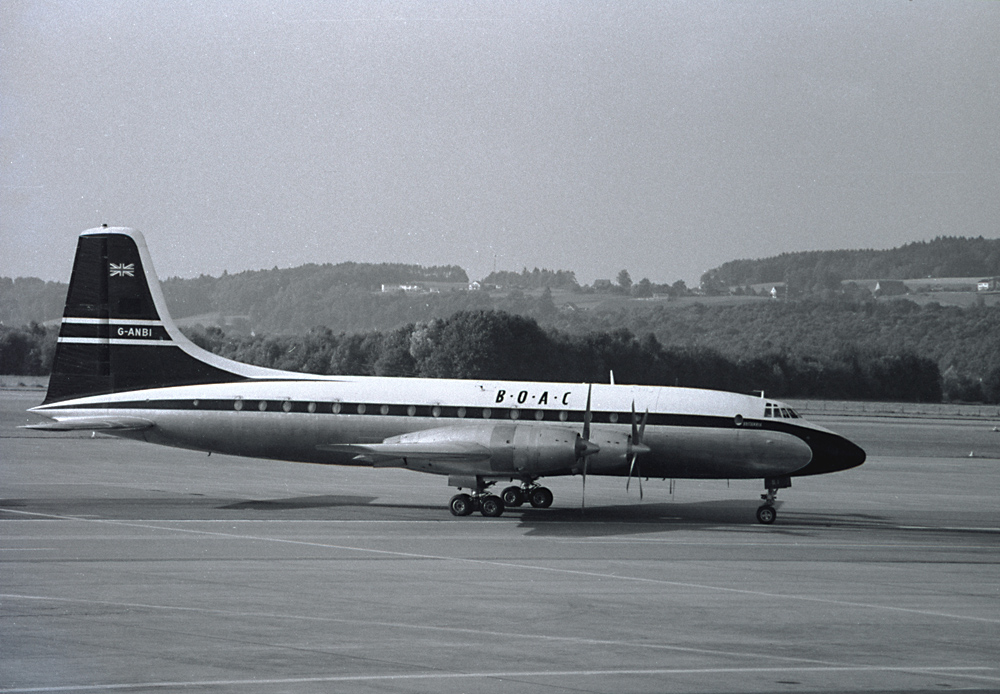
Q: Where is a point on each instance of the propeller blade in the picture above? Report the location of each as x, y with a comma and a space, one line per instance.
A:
635, 447
586, 449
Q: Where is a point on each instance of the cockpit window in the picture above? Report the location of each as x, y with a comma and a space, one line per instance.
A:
774, 410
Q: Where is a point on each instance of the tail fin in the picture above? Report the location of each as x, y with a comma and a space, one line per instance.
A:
116, 334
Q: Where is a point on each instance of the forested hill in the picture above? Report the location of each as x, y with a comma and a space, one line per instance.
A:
945, 256
249, 292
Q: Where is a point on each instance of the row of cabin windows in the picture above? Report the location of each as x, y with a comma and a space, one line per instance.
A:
411, 410
772, 410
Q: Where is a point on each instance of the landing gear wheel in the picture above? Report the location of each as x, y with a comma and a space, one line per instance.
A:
766, 514
461, 505
512, 496
491, 506
540, 497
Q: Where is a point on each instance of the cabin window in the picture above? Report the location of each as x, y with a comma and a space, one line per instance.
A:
461, 412
287, 405
540, 415
613, 417
238, 404
311, 407
514, 414
384, 409
436, 411
411, 410
262, 406
336, 408
563, 416
768, 412
487, 413
361, 408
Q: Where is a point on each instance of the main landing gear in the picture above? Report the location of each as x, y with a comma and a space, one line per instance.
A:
538, 497
491, 505
766, 513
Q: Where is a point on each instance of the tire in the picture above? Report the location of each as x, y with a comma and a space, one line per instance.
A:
461, 505
512, 496
766, 514
540, 497
491, 506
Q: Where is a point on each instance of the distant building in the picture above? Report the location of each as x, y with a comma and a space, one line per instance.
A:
475, 286
890, 288
777, 291
406, 288
990, 284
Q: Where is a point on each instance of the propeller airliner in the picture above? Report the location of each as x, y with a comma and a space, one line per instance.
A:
124, 368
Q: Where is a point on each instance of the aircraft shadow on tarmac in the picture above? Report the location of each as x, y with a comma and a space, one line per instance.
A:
324, 501
571, 522
650, 517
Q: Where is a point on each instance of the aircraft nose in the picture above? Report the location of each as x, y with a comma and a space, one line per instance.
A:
831, 453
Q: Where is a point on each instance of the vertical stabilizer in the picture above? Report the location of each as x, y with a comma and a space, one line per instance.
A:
116, 334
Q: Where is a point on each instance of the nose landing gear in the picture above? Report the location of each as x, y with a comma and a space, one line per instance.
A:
766, 512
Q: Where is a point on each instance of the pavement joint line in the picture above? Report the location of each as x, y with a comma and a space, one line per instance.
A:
917, 670
532, 567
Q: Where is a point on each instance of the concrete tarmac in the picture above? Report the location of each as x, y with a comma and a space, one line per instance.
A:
128, 567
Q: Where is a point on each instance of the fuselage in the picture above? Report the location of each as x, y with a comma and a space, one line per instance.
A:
690, 433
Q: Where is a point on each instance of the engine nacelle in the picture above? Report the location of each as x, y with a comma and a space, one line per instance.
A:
516, 448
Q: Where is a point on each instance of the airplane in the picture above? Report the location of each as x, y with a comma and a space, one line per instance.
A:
123, 367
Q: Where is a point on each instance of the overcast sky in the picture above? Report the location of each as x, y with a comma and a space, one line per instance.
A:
661, 137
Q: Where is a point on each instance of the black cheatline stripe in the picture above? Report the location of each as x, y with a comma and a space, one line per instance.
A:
443, 412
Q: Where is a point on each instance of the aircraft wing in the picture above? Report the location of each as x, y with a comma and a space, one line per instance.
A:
375, 453
93, 424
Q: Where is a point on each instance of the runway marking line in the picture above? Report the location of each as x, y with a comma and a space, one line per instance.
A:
514, 565
926, 670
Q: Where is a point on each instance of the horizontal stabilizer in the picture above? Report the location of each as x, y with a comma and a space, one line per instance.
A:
375, 453
93, 424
